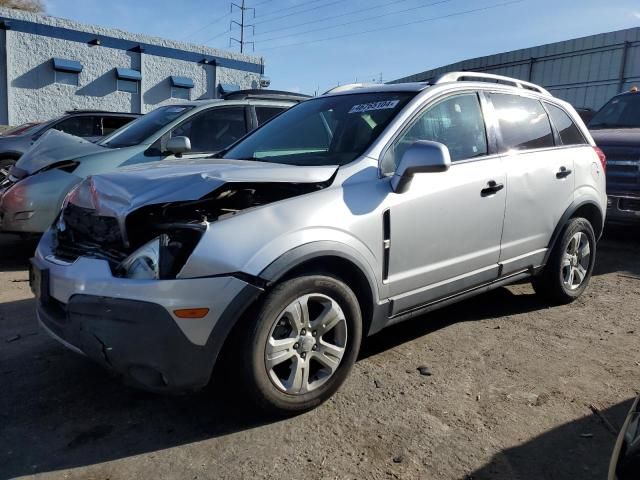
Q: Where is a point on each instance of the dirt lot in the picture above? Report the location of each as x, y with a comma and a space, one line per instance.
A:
508, 399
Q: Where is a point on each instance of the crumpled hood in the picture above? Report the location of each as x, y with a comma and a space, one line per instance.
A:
623, 137
121, 192
53, 147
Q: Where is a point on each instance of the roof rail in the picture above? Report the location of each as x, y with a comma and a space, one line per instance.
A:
263, 94
350, 86
489, 77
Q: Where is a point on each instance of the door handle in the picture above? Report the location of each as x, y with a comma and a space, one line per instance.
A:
563, 172
492, 188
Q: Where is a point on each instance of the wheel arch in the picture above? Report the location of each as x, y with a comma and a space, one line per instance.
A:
333, 258
588, 209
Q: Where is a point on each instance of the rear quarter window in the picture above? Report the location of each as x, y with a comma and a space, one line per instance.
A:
524, 123
569, 132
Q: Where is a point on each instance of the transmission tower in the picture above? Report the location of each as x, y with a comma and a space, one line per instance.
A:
242, 25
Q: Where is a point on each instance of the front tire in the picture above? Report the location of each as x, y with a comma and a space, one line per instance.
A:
301, 345
570, 264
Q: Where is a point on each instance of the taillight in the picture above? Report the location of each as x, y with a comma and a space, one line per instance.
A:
602, 157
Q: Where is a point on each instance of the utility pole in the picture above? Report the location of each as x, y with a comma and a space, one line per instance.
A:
242, 26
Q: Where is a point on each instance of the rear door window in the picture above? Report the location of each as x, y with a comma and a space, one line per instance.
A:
214, 129
569, 132
524, 123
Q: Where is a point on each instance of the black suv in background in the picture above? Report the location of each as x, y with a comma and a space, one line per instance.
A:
89, 124
616, 130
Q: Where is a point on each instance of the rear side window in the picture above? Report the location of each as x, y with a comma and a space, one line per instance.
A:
569, 132
523, 122
265, 113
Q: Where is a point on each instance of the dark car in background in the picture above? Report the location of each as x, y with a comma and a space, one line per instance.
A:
586, 113
616, 130
89, 124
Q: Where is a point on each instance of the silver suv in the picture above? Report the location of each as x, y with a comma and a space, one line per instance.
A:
343, 215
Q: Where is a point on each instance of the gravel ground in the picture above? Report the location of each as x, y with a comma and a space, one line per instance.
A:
510, 396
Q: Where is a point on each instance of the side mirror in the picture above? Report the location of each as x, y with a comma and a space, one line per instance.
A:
422, 157
178, 145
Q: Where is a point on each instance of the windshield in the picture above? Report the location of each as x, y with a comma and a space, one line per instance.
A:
324, 131
139, 130
620, 112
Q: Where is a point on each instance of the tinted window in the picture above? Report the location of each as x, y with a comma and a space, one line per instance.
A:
111, 124
456, 122
142, 128
214, 129
523, 122
332, 130
569, 131
622, 111
265, 113
78, 126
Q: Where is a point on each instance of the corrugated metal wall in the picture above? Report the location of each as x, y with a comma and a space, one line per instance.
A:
585, 71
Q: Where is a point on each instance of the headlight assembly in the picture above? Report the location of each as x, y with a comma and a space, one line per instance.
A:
145, 262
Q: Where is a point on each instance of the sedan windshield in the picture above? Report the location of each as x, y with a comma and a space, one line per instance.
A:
141, 129
331, 130
620, 112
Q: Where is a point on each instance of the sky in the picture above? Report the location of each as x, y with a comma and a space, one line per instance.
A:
313, 45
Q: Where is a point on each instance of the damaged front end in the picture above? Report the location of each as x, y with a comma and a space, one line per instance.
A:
155, 240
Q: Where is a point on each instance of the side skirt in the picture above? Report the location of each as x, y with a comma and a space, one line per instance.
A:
443, 302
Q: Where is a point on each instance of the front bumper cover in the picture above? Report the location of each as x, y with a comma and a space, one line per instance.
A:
128, 326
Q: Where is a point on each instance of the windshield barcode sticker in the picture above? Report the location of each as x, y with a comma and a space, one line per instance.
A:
368, 107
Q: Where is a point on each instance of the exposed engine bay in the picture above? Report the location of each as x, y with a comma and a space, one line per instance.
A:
177, 226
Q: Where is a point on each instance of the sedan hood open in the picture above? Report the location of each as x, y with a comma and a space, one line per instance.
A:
119, 193
54, 147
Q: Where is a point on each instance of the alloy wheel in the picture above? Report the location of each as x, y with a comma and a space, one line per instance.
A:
575, 261
306, 344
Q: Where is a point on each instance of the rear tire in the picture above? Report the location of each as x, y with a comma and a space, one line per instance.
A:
5, 166
301, 343
570, 264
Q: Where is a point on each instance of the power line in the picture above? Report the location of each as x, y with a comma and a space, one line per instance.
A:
301, 11
206, 26
332, 17
439, 2
268, 14
475, 10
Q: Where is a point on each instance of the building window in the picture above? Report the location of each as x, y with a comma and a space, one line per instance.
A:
181, 93
128, 80
67, 78
181, 87
66, 72
130, 86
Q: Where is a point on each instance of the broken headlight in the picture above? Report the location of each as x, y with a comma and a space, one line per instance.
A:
145, 262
